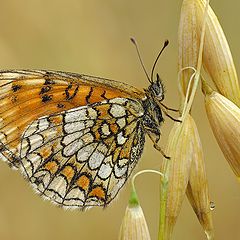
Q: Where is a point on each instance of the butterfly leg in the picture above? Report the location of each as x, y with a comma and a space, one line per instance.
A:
165, 109
168, 108
168, 115
155, 144
157, 147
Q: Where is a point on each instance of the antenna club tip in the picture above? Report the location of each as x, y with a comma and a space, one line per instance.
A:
133, 40
166, 42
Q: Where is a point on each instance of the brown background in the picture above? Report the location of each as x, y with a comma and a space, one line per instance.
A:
92, 37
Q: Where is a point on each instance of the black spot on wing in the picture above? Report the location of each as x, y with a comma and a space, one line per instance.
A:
60, 105
15, 88
48, 81
13, 99
45, 89
89, 95
46, 98
68, 96
103, 95
67, 91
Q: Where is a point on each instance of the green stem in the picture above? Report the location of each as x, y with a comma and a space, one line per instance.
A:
133, 201
163, 201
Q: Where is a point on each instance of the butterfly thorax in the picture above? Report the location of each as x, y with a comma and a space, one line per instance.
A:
152, 118
153, 115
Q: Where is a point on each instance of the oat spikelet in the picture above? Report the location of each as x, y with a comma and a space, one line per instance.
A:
224, 117
188, 42
180, 149
197, 190
217, 58
134, 225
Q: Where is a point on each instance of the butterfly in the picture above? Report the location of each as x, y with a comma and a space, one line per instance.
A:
75, 138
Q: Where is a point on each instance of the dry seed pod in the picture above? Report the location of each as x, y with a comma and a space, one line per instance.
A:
224, 117
134, 226
188, 42
217, 59
180, 149
197, 190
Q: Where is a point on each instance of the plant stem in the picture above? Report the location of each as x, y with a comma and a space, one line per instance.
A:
163, 200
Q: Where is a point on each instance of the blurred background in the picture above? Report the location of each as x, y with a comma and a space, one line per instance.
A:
92, 37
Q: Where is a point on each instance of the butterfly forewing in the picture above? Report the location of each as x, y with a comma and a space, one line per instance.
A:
27, 95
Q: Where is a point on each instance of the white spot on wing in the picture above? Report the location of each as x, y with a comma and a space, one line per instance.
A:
33, 160
59, 185
42, 125
105, 171
118, 100
76, 114
117, 110
96, 159
23, 148
45, 178
120, 171
74, 126
105, 129
121, 139
73, 147
122, 162
89, 123
31, 129
92, 113
85, 152
121, 122
72, 137
36, 141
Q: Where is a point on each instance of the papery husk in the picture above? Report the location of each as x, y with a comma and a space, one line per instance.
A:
180, 149
224, 117
217, 58
134, 225
197, 189
188, 43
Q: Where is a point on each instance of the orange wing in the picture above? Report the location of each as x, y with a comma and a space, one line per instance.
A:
26, 95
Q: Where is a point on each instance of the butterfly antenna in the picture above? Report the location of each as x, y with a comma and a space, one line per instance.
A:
154, 65
139, 56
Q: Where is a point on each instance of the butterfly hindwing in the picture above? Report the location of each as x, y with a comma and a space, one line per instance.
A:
83, 156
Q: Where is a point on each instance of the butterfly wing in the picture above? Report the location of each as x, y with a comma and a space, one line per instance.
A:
83, 156
26, 95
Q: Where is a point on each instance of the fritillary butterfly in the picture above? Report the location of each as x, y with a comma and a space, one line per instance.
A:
76, 138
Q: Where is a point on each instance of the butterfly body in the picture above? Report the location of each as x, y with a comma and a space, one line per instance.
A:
76, 138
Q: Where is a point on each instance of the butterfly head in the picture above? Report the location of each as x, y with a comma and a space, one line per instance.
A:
156, 89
